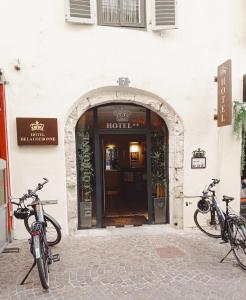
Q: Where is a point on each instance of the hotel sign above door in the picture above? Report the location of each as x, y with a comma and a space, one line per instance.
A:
121, 117
224, 94
37, 131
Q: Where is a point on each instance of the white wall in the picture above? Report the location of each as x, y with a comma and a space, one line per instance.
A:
62, 61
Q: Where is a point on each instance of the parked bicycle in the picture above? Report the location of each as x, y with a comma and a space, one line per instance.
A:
37, 223
213, 221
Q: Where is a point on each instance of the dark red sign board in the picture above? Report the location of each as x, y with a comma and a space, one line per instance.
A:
37, 131
224, 107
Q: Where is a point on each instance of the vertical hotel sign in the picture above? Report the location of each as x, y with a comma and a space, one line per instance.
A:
224, 107
37, 131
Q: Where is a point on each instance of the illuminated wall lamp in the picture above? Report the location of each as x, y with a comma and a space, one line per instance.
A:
134, 151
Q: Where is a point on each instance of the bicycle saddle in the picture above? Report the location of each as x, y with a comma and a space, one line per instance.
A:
227, 199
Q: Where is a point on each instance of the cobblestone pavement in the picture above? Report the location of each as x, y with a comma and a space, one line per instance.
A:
129, 263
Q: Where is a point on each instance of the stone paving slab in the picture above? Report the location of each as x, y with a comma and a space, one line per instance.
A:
124, 263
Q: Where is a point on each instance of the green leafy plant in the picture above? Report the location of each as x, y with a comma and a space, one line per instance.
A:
239, 126
158, 164
239, 113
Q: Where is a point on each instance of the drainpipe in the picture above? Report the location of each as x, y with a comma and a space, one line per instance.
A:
4, 147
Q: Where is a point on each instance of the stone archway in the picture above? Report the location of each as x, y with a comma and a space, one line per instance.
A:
176, 144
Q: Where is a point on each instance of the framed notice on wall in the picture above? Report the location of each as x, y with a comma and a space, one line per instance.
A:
198, 162
37, 131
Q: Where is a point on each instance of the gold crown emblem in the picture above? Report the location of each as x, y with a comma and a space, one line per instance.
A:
37, 126
121, 114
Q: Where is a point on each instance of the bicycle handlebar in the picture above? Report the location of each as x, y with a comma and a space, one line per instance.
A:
32, 193
211, 185
39, 187
214, 182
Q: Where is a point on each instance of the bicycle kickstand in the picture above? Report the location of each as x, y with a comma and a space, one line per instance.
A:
226, 255
33, 265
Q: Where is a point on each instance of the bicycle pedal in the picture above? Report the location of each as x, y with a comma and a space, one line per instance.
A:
55, 257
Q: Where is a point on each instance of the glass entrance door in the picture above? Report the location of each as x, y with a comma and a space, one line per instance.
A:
124, 179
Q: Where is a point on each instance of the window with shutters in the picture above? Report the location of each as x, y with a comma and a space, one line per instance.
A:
129, 13
125, 13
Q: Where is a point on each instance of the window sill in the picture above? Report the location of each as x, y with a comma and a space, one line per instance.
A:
143, 28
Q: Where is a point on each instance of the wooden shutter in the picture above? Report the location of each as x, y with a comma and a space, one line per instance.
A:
80, 11
164, 14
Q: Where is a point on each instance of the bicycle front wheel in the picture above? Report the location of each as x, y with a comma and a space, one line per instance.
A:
238, 242
42, 257
208, 223
53, 229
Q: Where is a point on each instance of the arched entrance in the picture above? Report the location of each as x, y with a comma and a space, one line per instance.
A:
153, 103
122, 167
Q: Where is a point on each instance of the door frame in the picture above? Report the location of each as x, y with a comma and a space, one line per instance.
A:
98, 165
97, 133
99, 170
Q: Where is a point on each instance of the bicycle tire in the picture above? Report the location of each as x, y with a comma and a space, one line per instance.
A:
53, 229
238, 242
42, 263
203, 222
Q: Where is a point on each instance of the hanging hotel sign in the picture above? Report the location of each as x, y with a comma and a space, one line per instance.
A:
198, 160
224, 107
37, 131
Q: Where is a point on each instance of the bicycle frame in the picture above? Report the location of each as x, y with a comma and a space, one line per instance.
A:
39, 211
36, 232
38, 208
216, 206
225, 220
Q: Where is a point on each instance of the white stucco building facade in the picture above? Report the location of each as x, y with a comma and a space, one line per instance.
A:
66, 68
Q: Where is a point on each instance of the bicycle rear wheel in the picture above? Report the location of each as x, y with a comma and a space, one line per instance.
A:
53, 229
42, 257
208, 223
238, 242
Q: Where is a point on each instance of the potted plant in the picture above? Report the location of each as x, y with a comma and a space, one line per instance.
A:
159, 182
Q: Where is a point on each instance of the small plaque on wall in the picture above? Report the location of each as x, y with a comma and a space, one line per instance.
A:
37, 131
198, 161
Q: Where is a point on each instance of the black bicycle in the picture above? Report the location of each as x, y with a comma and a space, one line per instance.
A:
39, 245
213, 221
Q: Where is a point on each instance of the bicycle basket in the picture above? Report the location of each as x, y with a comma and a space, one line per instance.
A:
203, 206
22, 213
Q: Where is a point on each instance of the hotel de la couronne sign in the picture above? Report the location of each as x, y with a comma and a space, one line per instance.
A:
37, 131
